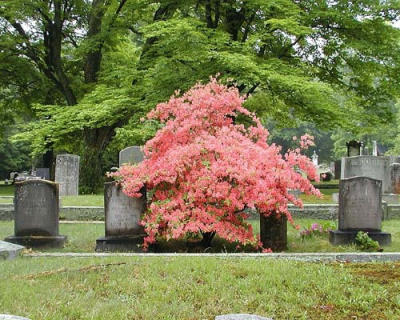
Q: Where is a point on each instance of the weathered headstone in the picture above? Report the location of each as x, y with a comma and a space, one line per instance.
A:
360, 209
36, 214
131, 155
122, 216
240, 316
353, 148
273, 232
9, 250
43, 173
374, 148
394, 173
67, 174
366, 166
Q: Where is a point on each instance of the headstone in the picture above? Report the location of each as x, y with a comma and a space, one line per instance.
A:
315, 159
273, 232
366, 166
335, 197
131, 155
36, 212
43, 173
394, 172
374, 148
11, 317
122, 216
241, 316
353, 148
360, 209
67, 174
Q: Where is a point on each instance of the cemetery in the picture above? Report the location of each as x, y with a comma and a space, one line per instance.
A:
192, 160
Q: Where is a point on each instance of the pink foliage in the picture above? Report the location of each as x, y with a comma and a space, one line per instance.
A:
202, 170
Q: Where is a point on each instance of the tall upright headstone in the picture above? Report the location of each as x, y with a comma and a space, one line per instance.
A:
67, 174
131, 155
122, 216
360, 209
374, 148
394, 172
36, 206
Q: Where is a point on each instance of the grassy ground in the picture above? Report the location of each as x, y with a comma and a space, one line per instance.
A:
147, 288
82, 238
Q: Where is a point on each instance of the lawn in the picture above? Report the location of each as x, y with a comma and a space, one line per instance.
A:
82, 238
196, 288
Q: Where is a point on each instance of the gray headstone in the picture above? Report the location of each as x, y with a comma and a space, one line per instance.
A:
367, 166
241, 316
122, 216
43, 173
360, 209
67, 174
36, 213
122, 213
338, 169
394, 173
353, 148
360, 204
131, 155
11, 317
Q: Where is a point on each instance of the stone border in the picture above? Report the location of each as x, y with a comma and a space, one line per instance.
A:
9, 250
307, 257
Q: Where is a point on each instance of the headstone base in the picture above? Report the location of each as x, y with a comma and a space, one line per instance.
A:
38, 241
338, 237
120, 244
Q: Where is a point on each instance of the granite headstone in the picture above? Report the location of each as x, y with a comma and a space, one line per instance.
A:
122, 216
360, 209
43, 173
131, 155
67, 174
36, 206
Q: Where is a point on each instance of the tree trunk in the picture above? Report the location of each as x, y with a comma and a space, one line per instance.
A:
273, 232
207, 238
91, 173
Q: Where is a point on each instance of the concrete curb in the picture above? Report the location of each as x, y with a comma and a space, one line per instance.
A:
310, 257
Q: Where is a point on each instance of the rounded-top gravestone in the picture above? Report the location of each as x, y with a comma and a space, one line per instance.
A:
131, 155
36, 204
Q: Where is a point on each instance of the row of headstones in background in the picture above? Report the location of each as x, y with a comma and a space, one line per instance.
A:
67, 174
360, 209
36, 214
386, 169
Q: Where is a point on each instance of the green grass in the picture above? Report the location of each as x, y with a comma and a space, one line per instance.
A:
326, 197
196, 288
82, 238
83, 200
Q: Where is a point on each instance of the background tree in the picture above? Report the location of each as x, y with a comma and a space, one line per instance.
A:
106, 63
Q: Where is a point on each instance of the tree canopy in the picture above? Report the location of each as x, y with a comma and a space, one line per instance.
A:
89, 70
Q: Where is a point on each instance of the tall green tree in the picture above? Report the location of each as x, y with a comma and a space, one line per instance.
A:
333, 63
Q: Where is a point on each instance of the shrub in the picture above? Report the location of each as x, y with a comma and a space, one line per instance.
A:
202, 169
365, 243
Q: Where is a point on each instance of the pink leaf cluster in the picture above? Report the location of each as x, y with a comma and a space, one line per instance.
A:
202, 169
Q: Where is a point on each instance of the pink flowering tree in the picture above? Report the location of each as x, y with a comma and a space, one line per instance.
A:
201, 170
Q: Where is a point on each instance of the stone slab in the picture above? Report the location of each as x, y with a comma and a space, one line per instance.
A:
120, 244
38, 241
307, 257
240, 316
11, 317
338, 237
67, 174
9, 250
